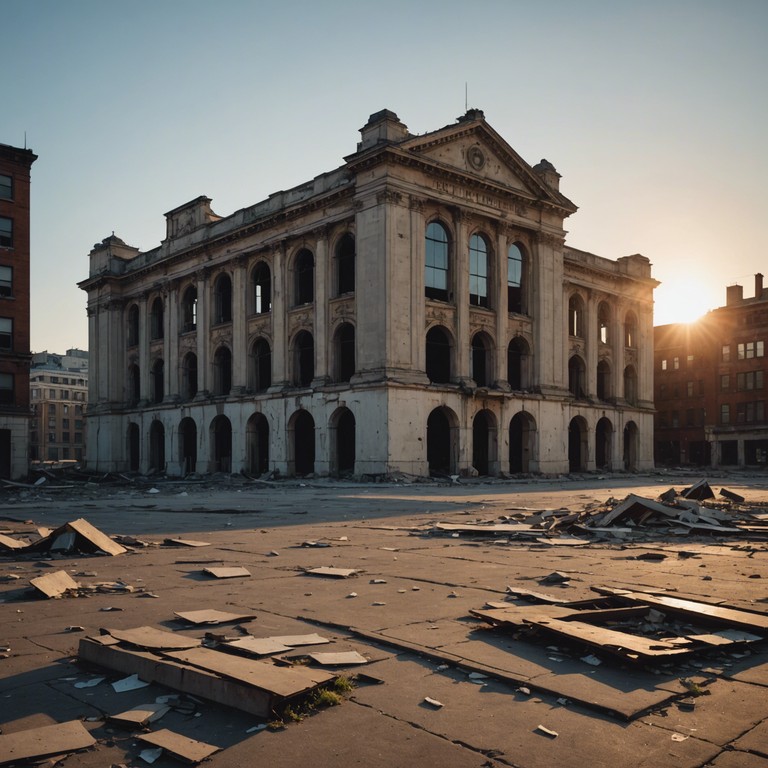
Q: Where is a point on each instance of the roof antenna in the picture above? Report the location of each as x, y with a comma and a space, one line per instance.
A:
25, 139
466, 101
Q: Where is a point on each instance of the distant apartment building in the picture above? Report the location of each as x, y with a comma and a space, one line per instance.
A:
710, 385
15, 165
59, 392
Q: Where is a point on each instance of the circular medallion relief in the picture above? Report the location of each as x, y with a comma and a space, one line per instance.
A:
476, 158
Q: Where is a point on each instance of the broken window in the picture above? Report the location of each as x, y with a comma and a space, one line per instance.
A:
262, 365
222, 300
603, 380
304, 359
478, 271
576, 316
158, 392
262, 288
304, 277
576, 377
481, 364
345, 265
189, 310
603, 322
630, 385
437, 263
222, 371
344, 351
133, 325
156, 319
189, 376
438, 355
157, 446
517, 363
515, 280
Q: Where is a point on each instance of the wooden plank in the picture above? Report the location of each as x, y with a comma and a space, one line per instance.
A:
612, 640
531, 595
54, 584
44, 741
493, 528
284, 682
212, 616
232, 572
182, 747
149, 637
712, 613
520, 616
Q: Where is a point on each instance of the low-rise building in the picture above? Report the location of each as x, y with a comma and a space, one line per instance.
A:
416, 309
58, 394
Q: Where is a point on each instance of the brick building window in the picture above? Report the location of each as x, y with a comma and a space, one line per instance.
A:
7, 396
6, 232
6, 187
663, 365
6, 281
689, 388
725, 413
6, 333
725, 353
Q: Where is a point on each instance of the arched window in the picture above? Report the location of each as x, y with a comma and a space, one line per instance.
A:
436, 263
603, 380
630, 385
262, 365
478, 271
517, 364
576, 316
438, 356
603, 323
515, 280
345, 265
133, 325
576, 378
222, 300
630, 330
189, 310
344, 351
133, 385
189, 376
262, 288
156, 328
222, 371
304, 277
303, 359
158, 388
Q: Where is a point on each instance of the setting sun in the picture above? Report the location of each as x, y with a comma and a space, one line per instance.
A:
684, 300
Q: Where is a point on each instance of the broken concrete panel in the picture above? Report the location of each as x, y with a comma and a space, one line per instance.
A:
140, 716
152, 638
258, 646
54, 584
44, 741
232, 572
700, 491
732, 496
182, 747
337, 573
80, 535
338, 659
9, 543
213, 616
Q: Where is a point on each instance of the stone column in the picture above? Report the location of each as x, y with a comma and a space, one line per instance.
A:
239, 333
499, 304
320, 322
145, 395
279, 318
171, 343
590, 345
417, 299
459, 277
619, 357
203, 329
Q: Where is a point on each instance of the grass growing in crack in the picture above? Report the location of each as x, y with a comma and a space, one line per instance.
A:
343, 684
321, 698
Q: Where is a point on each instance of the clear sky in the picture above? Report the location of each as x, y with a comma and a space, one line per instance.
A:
654, 112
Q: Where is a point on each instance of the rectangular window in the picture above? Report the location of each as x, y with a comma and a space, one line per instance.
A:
65, 423
675, 420
6, 333
701, 417
676, 364
725, 382
662, 391
690, 359
663, 365
35, 393
66, 409
689, 388
725, 413
7, 384
78, 437
689, 417
758, 379
52, 394
759, 349
662, 418
701, 386
6, 187
759, 411
51, 409
6, 281
6, 232
65, 437
726, 353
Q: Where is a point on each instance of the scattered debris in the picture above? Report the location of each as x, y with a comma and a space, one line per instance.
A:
140, 716
339, 659
185, 543
54, 585
547, 732
212, 616
182, 747
48, 740
433, 702
130, 683
232, 572
337, 573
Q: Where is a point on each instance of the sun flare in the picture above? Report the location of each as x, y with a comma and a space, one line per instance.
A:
682, 301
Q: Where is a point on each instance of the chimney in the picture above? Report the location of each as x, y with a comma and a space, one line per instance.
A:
382, 127
758, 285
734, 294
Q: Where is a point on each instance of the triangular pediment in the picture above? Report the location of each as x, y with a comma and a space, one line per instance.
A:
474, 149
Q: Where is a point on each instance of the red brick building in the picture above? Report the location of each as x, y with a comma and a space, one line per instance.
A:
15, 165
710, 385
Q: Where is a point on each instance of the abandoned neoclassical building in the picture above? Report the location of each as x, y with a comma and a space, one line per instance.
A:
414, 310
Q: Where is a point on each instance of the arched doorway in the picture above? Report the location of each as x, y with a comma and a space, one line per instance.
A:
257, 444
157, 446
302, 439
188, 445
221, 434
577, 445
603, 444
522, 431
134, 447
442, 441
342, 428
631, 436
484, 443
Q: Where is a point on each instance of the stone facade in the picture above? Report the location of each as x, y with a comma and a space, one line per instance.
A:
414, 310
15, 166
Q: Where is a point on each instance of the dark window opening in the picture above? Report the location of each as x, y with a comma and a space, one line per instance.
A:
515, 276
438, 356
158, 392
156, 320
262, 289
304, 359
576, 378
480, 362
345, 265
305, 277
133, 325
189, 376
262, 365
222, 371
222, 300
345, 352
189, 310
